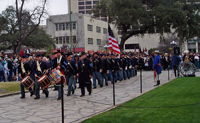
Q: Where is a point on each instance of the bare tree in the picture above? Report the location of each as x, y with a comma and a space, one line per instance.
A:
28, 21
79, 37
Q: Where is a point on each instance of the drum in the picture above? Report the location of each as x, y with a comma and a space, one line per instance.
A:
44, 82
27, 82
56, 75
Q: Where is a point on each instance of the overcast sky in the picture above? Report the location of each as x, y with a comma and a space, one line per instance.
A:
54, 7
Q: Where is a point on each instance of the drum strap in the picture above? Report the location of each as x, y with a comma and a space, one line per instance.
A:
59, 59
38, 67
22, 67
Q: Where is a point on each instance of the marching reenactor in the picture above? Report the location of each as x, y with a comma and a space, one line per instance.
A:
113, 68
110, 68
85, 72
97, 69
124, 67
70, 73
118, 69
24, 70
40, 69
105, 70
58, 63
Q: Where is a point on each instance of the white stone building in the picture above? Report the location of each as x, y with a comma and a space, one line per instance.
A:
88, 34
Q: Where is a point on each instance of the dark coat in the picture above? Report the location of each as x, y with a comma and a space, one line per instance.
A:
85, 69
71, 68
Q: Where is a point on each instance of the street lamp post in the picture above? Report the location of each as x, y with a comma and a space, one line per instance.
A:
70, 24
106, 47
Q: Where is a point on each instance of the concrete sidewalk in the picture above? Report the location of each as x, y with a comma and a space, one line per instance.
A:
48, 110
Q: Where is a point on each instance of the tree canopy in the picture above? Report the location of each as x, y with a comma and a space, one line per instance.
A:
137, 17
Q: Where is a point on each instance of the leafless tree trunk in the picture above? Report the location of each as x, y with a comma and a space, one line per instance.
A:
27, 21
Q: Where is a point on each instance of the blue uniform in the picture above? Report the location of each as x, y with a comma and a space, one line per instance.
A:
157, 64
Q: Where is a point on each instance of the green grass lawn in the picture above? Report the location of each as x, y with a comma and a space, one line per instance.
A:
181, 91
10, 87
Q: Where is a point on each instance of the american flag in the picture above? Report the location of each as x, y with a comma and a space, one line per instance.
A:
112, 42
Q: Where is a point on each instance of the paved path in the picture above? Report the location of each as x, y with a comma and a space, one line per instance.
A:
76, 109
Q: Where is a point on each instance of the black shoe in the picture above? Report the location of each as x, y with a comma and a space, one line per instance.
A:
36, 98
79, 87
59, 98
22, 97
107, 84
101, 86
73, 91
82, 95
68, 94
47, 95
90, 92
94, 87
55, 89
32, 93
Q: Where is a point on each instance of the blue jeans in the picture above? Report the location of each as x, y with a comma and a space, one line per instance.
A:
70, 82
97, 75
22, 90
2, 75
110, 76
10, 75
104, 76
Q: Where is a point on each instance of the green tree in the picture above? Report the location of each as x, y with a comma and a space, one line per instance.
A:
137, 17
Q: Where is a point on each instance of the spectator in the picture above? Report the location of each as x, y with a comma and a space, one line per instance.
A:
1, 69
175, 62
10, 69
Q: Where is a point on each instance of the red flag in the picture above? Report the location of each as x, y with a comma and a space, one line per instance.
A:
112, 42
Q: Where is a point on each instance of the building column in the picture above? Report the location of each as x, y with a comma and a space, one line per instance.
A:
197, 47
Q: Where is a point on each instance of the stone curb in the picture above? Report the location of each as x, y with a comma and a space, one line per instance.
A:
108, 109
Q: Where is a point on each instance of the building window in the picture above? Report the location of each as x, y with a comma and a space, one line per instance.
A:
74, 39
90, 40
67, 26
80, 3
63, 26
131, 46
88, 2
60, 26
104, 19
90, 27
98, 41
88, 7
105, 31
64, 40
81, 7
57, 27
56, 40
83, 12
98, 29
95, 2
60, 40
88, 11
74, 25
67, 39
